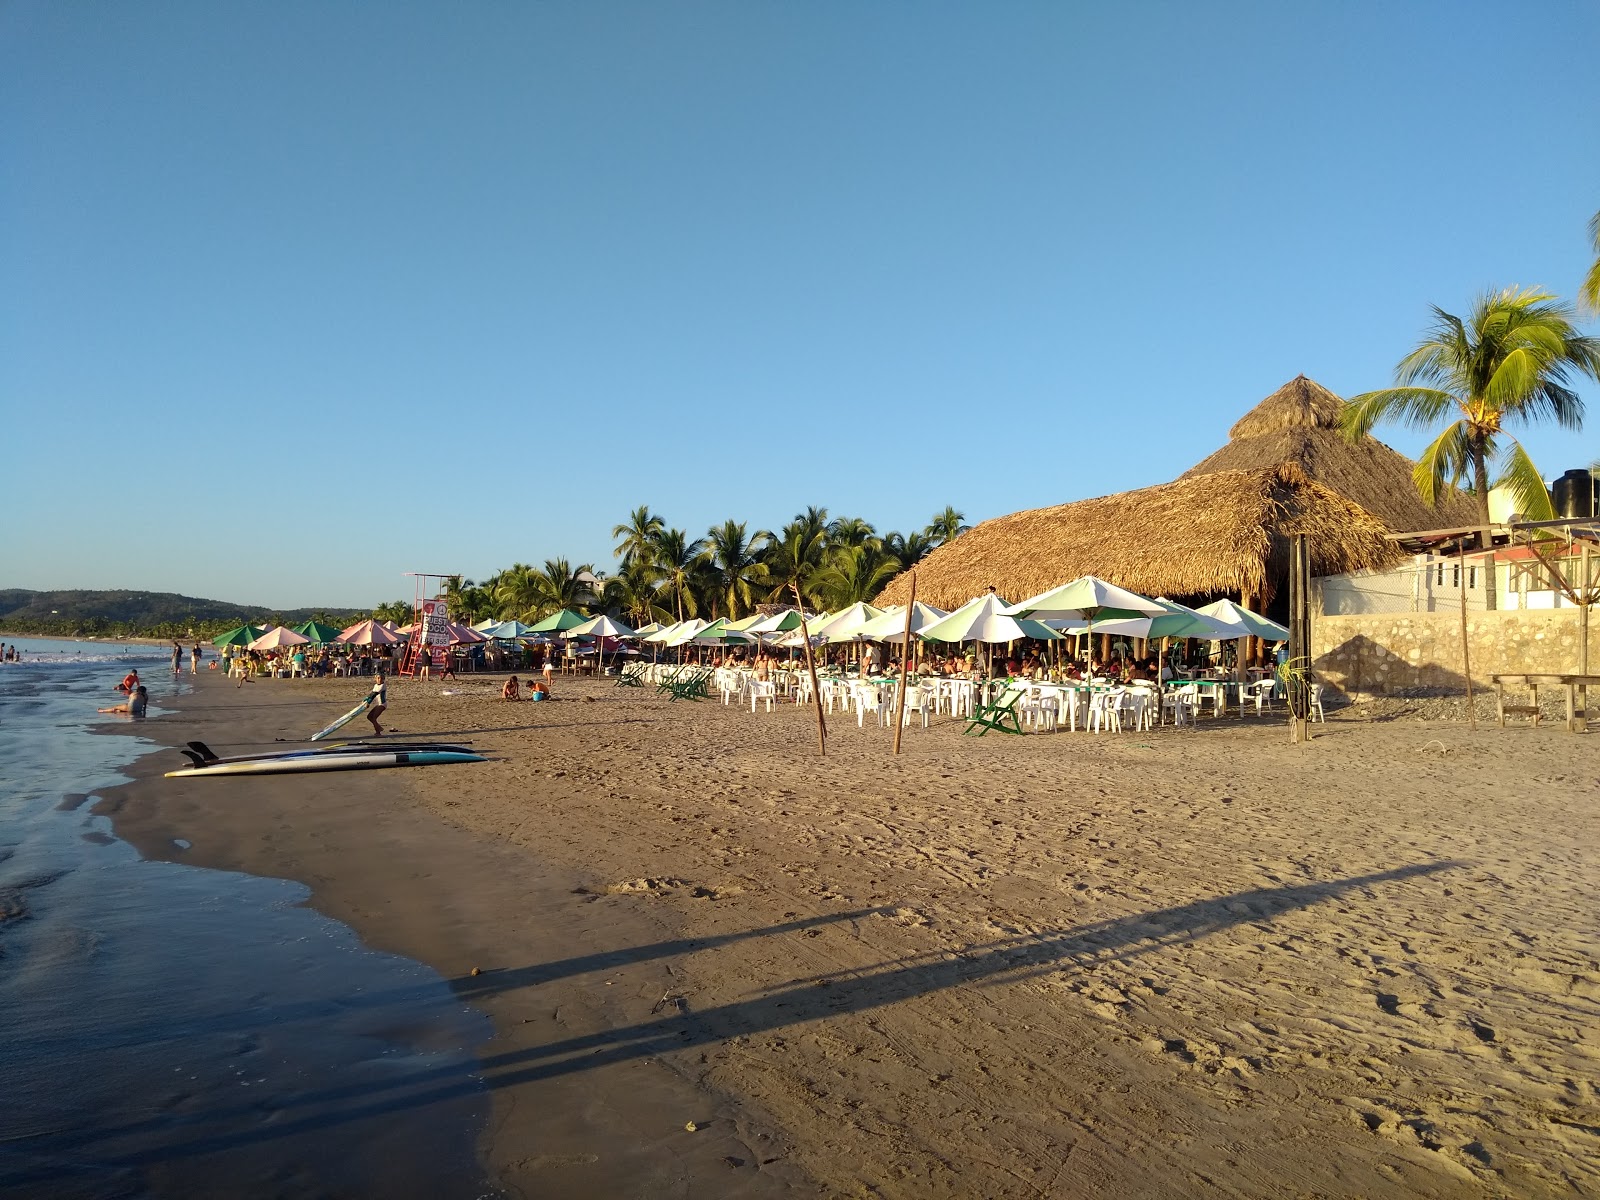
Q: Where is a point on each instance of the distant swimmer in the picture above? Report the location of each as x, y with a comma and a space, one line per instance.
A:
136, 706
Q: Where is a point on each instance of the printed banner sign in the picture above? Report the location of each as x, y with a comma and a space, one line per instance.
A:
436, 622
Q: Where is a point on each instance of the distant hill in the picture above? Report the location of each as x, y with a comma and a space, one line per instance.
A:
142, 614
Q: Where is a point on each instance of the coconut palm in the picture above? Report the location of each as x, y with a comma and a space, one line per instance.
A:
855, 573
397, 611
632, 590
517, 591
1507, 363
796, 554
678, 562
946, 526
560, 585
850, 531
908, 548
1589, 290
636, 536
736, 567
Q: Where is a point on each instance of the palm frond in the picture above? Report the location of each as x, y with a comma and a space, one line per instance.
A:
1444, 463
1414, 406
1589, 289
1521, 478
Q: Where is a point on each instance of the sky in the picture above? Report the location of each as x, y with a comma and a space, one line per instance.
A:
300, 297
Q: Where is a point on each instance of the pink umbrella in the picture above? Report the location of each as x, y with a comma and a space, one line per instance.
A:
274, 638
464, 633
369, 633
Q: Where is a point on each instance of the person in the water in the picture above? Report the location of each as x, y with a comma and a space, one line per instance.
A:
138, 703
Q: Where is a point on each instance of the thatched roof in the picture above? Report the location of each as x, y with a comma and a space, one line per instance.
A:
1226, 531
1299, 424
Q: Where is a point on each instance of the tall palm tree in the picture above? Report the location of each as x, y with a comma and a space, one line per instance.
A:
468, 602
636, 536
855, 573
796, 554
946, 526
1507, 363
1589, 290
908, 548
736, 566
678, 561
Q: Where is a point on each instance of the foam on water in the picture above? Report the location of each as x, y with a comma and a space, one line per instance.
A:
169, 1030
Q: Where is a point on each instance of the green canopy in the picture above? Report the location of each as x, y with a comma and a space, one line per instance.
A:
558, 621
242, 636
317, 632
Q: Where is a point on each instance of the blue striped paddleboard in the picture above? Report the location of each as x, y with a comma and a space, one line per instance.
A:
344, 720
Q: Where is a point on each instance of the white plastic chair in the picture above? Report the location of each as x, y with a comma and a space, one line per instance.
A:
1316, 703
1181, 703
1139, 705
918, 700
1105, 711
762, 689
1041, 709
867, 699
1261, 693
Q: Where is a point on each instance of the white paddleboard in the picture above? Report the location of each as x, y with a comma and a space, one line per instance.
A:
330, 762
344, 720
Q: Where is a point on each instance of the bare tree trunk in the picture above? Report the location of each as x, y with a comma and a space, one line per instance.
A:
1480, 483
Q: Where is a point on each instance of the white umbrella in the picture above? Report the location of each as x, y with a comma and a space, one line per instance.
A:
892, 624
844, 624
280, 636
679, 634
985, 620
600, 628
1088, 599
1248, 623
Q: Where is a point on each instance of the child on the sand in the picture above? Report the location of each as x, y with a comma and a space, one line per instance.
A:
512, 690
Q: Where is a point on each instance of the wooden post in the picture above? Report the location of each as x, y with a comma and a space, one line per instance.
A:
905, 666
811, 668
1466, 654
1298, 682
1586, 591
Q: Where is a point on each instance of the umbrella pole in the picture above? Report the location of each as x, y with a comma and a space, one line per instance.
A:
905, 666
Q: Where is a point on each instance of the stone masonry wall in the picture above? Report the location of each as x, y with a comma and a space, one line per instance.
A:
1374, 654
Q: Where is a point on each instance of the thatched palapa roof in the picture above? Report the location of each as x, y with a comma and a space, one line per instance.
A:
1223, 531
1299, 424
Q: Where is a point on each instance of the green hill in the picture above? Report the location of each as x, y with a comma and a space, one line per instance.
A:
78, 613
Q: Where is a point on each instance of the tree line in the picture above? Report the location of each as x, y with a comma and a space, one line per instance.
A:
664, 574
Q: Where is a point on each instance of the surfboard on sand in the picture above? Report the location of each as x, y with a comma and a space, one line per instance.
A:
330, 762
344, 720
201, 755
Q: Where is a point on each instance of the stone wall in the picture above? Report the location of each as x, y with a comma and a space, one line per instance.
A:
1377, 654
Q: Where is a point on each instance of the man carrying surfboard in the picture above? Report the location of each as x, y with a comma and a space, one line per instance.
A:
377, 701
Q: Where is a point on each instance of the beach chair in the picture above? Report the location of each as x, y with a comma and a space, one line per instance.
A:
632, 676
665, 680
690, 685
762, 689
1000, 716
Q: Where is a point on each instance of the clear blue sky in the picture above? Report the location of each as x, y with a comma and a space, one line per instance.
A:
298, 297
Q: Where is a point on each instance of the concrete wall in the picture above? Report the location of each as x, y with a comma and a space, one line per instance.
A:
1375, 654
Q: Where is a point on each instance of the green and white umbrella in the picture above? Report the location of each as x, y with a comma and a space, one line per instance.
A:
1252, 624
558, 622
1176, 622
720, 633
891, 626
1088, 599
781, 622
317, 632
845, 624
985, 619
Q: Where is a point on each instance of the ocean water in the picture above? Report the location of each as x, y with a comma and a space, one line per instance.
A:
167, 1030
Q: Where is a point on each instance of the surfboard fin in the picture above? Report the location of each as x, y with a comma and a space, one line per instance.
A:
204, 751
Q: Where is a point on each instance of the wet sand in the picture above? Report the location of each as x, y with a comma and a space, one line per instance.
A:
1161, 964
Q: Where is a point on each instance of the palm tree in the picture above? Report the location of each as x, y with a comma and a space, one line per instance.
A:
516, 591
736, 566
559, 586
678, 562
908, 548
946, 526
397, 611
1508, 362
850, 531
1589, 290
796, 554
633, 591
855, 573
636, 536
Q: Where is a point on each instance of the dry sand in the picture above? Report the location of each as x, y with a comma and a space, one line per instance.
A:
1157, 964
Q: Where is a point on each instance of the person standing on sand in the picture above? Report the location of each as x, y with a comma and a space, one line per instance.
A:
424, 661
378, 700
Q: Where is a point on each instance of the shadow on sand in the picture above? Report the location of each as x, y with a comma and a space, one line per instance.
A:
794, 1002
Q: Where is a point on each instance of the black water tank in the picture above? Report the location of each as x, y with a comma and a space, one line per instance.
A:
1573, 494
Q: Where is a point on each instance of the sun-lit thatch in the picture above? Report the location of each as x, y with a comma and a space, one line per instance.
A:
1299, 424
1223, 532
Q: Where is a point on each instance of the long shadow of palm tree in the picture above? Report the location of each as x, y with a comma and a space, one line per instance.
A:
796, 1002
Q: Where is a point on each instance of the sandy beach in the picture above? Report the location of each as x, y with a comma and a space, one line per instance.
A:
1161, 964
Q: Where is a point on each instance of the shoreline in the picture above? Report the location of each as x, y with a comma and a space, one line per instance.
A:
407, 883
1168, 964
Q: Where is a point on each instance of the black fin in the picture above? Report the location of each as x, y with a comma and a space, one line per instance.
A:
193, 757
204, 751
